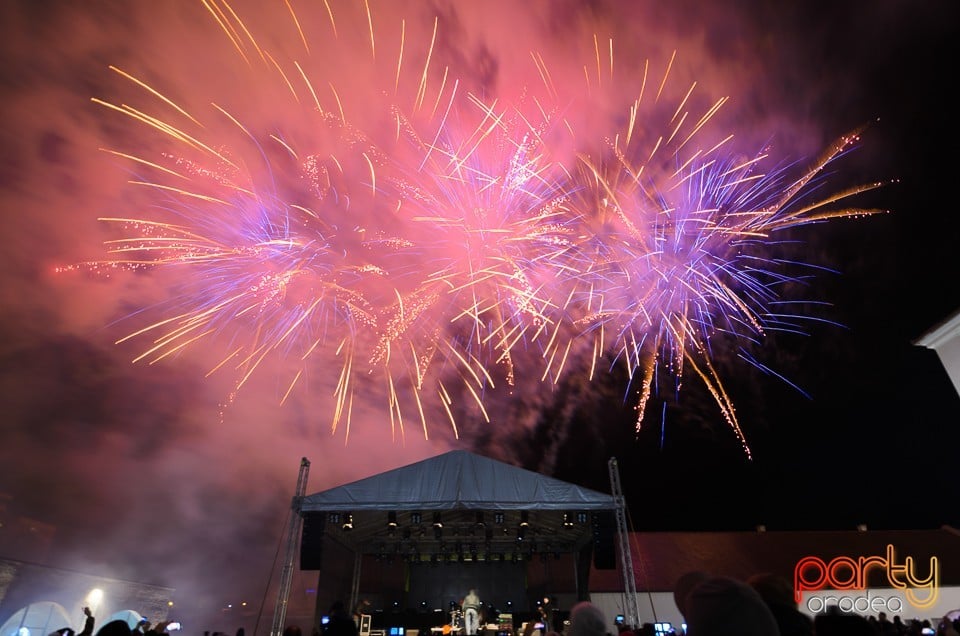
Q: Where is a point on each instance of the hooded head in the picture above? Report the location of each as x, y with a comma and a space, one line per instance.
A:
723, 606
774, 589
684, 585
586, 619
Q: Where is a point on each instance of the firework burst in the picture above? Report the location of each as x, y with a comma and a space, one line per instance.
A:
488, 210
678, 247
423, 234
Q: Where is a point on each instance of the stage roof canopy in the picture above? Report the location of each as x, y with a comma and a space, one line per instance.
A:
464, 503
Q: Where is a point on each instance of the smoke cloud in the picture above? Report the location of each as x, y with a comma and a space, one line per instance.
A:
164, 472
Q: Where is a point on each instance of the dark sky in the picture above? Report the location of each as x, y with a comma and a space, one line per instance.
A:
147, 475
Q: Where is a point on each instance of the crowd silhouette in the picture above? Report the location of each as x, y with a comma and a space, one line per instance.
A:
764, 605
761, 605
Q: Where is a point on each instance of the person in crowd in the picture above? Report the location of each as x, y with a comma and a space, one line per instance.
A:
899, 624
684, 584
471, 612
88, 623
724, 606
912, 628
586, 619
777, 592
87, 630
116, 627
836, 623
884, 627
947, 628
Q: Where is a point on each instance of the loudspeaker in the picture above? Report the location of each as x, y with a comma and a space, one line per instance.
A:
604, 535
311, 540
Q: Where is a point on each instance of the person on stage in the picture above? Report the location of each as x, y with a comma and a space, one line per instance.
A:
471, 612
544, 610
363, 607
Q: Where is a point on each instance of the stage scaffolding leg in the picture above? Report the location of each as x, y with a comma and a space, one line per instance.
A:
293, 530
355, 586
631, 608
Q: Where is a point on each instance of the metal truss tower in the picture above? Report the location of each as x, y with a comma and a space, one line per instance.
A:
293, 530
631, 609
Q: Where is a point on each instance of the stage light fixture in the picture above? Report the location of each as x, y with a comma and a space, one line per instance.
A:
348, 522
567, 520
524, 519
479, 518
437, 520
391, 519
521, 533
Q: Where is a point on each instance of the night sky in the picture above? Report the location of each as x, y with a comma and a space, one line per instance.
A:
159, 472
